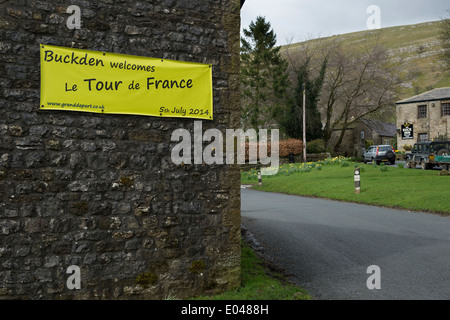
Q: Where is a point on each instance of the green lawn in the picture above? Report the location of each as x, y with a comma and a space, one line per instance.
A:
414, 189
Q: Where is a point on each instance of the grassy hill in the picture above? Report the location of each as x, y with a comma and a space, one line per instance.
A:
415, 48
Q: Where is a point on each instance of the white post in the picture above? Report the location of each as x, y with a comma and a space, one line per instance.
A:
357, 180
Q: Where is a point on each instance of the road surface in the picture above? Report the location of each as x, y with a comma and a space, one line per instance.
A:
327, 247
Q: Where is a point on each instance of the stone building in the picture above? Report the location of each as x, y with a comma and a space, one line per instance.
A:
99, 191
361, 133
423, 117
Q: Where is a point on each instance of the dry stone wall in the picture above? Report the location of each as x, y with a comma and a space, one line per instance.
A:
100, 191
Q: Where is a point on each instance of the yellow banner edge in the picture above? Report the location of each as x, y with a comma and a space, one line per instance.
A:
41, 102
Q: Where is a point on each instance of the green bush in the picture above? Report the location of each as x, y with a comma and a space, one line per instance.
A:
315, 146
407, 147
369, 143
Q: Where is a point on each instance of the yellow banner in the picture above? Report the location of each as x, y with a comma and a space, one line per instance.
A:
93, 81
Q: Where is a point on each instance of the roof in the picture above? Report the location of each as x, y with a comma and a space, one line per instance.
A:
432, 95
381, 128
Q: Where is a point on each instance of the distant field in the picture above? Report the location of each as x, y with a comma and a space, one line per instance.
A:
414, 189
415, 48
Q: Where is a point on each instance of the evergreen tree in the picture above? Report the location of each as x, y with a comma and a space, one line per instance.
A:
290, 117
263, 74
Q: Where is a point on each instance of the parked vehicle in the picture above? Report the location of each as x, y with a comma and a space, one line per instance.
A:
429, 154
379, 153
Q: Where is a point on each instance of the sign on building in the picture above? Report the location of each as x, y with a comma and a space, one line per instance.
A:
407, 131
93, 81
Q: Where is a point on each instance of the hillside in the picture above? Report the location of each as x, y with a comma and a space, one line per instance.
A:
415, 48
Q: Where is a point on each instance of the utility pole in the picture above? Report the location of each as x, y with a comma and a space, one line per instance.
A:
304, 123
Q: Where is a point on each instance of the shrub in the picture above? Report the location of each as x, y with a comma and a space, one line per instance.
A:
407, 147
315, 146
285, 147
290, 145
369, 143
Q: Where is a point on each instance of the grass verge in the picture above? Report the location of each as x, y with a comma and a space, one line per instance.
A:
260, 282
396, 187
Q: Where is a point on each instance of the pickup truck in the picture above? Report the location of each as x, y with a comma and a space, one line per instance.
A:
429, 154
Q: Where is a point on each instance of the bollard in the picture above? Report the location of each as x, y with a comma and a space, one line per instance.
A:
291, 157
357, 180
259, 178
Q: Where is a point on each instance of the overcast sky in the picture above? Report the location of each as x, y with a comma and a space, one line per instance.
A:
299, 20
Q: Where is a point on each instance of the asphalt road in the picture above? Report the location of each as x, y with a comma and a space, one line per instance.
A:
327, 247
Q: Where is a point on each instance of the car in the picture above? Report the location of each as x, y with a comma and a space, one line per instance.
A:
379, 153
429, 154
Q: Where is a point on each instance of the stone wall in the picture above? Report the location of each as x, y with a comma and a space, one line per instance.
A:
100, 191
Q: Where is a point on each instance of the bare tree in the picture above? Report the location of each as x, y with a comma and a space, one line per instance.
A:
359, 84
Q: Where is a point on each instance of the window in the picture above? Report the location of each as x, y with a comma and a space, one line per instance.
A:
423, 147
423, 137
422, 111
445, 109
